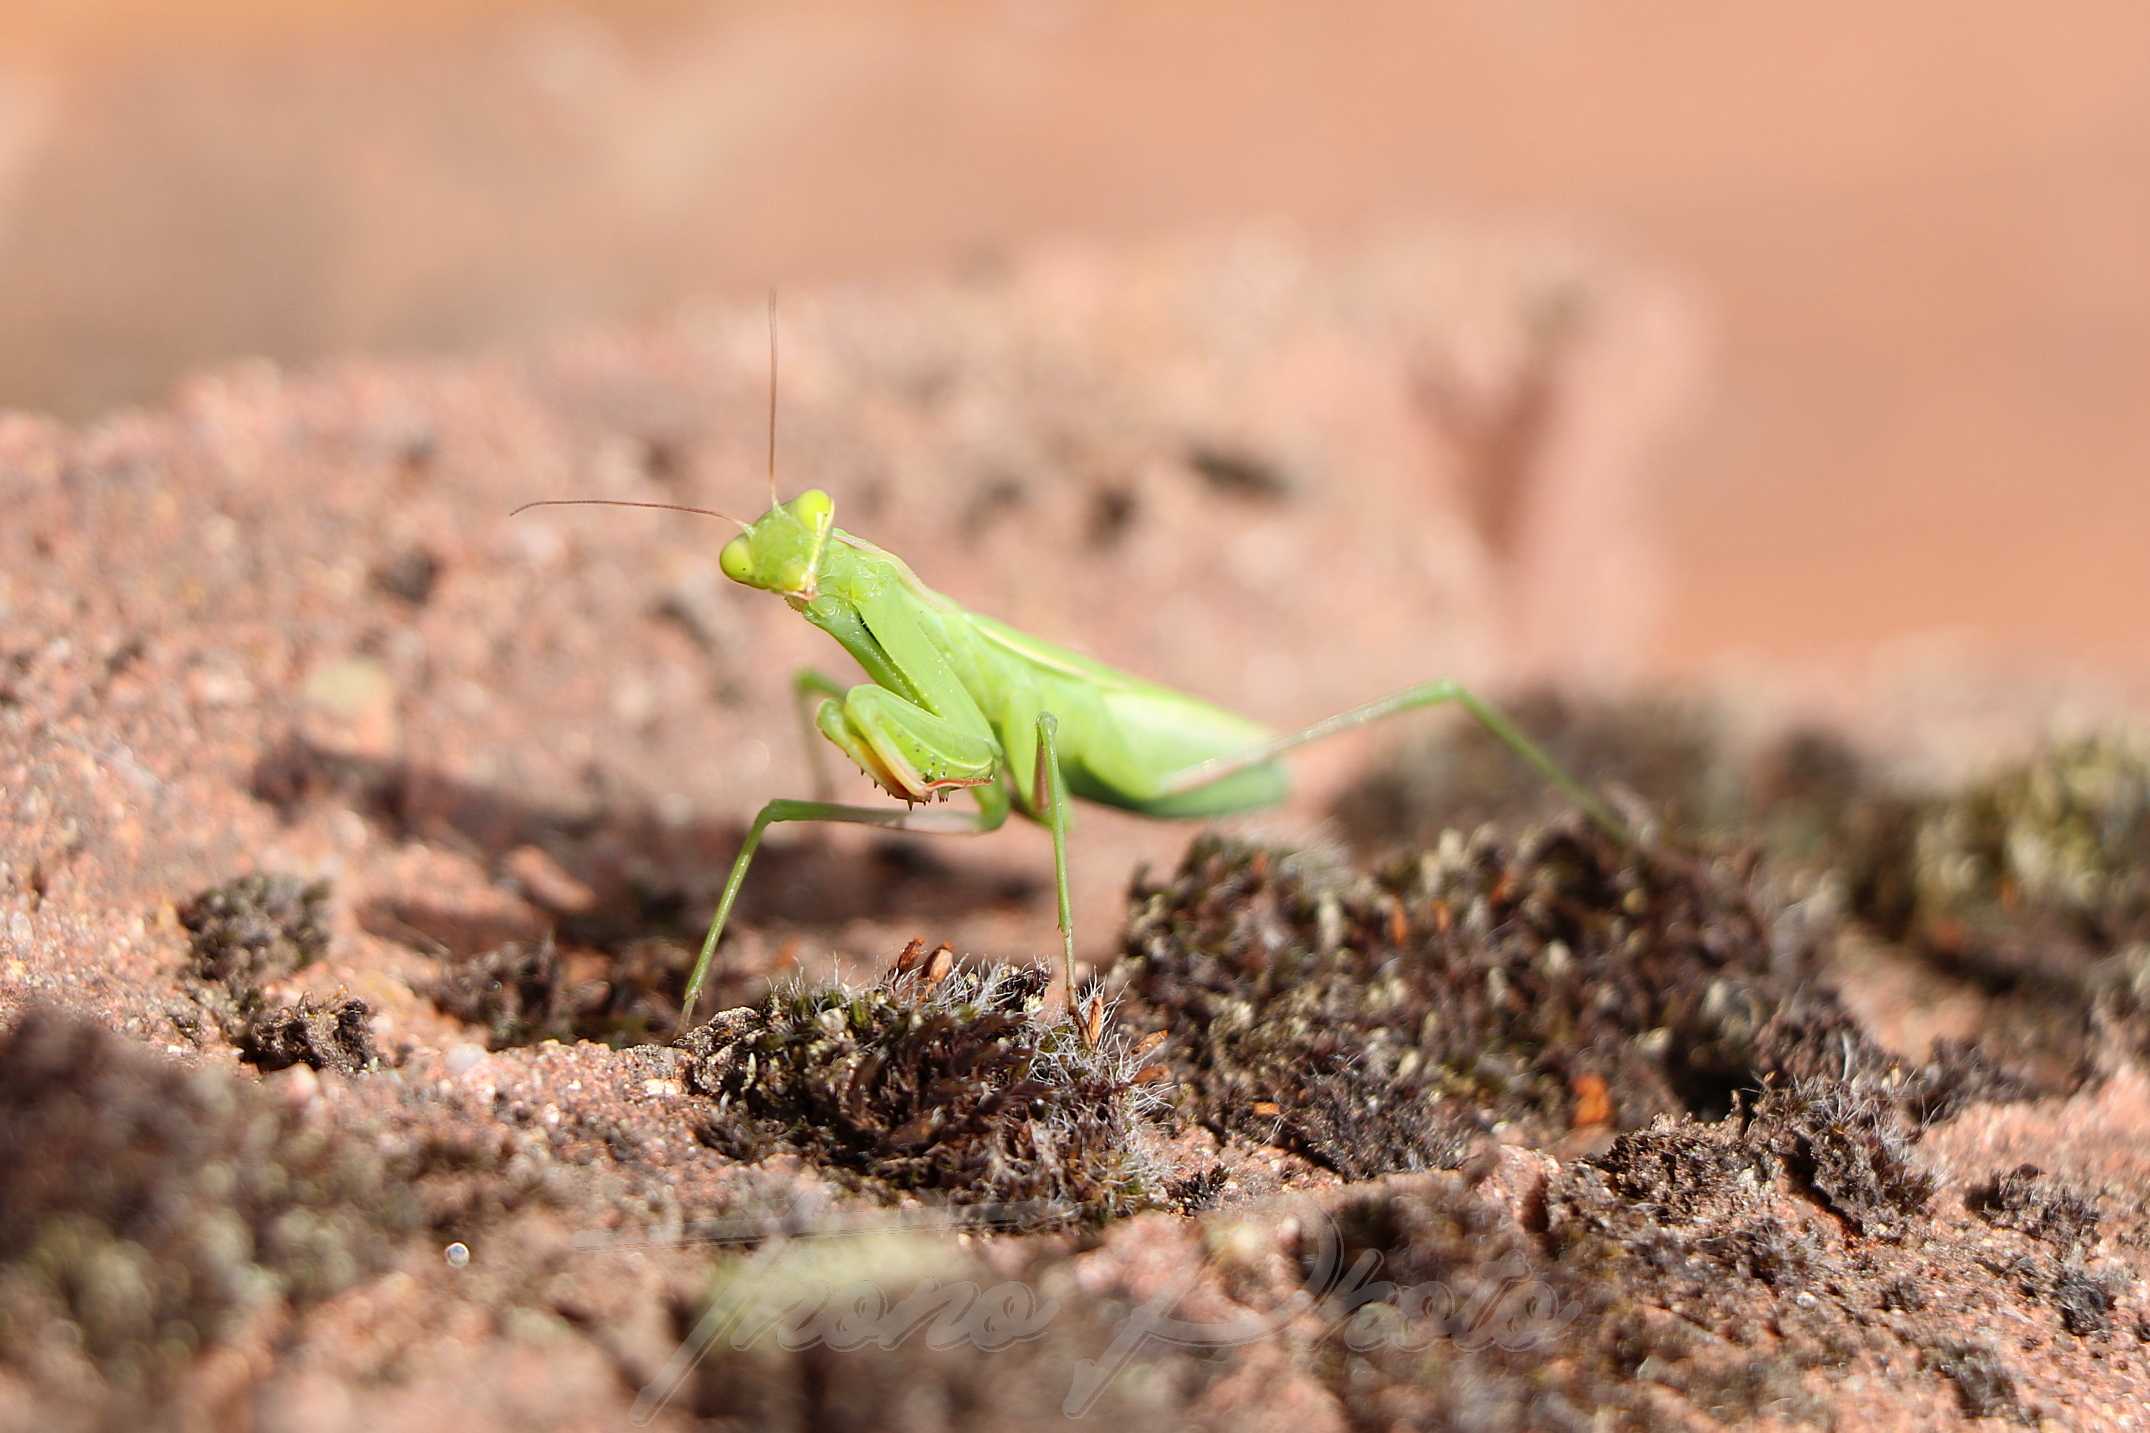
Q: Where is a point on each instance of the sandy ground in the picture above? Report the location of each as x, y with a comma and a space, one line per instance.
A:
404, 1144
1794, 357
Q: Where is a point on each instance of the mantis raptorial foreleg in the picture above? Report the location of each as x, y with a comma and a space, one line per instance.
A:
1426, 694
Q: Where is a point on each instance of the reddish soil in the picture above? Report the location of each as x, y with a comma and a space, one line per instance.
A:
284, 625
1796, 363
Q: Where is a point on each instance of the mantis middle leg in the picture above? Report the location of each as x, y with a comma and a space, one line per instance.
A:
1049, 801
911, 752
990, 815
1049, 797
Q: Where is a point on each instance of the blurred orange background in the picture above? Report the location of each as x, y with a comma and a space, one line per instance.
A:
1917, 234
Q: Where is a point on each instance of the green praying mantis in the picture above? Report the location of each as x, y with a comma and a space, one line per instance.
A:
956, 702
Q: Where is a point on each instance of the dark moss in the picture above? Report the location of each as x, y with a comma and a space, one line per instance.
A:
244, 936
2024, 1200
1454, 1315
2085, 1302
2032, 884
515, 990
1958, 1074
1446, 1314
960, 1086
1686, 1212
336, 1036
1376, 1022
1851, 1150
527, 992
1682, 1173
253, 931
1904, 1296
1984, 1385
1199, 1192
2061, 840
1690, 1218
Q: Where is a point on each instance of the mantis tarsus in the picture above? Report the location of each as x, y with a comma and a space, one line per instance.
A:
958, 702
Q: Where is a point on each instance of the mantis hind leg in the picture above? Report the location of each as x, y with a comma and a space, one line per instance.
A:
1426, 694
988, 816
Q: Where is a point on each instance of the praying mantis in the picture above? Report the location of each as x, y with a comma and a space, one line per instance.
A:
956, 702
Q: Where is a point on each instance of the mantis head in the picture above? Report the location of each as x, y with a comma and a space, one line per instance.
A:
781, 552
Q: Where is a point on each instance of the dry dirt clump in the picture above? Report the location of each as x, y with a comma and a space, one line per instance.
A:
936, 1080
1375, 1021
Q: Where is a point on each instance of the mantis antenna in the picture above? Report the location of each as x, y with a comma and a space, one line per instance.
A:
683, 507
626, 503
770, 309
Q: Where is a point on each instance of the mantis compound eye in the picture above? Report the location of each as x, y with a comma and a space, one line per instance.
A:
815, 508
737, 560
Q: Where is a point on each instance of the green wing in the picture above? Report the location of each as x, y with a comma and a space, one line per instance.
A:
1060, 662
1154, 733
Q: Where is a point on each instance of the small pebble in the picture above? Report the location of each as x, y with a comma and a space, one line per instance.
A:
548, 883
409, 575
464, 1058
219, 687
457, 1254
299, 1086
350, 687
